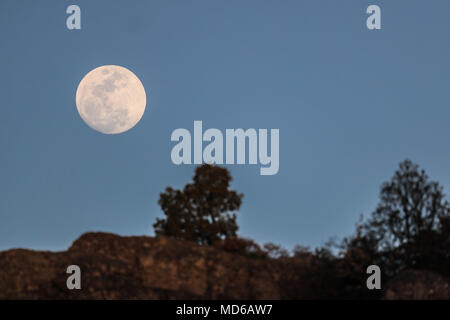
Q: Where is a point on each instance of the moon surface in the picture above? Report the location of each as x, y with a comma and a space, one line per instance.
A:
111, 99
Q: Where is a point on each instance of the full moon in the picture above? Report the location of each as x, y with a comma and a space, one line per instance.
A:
111, 99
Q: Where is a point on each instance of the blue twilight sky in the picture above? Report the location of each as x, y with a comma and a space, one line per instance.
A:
350, 105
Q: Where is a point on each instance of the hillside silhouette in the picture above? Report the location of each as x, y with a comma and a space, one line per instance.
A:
197, 253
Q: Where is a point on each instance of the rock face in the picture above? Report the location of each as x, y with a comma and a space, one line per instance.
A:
418, 285
114, 267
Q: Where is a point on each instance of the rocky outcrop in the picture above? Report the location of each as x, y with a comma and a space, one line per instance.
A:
115, 267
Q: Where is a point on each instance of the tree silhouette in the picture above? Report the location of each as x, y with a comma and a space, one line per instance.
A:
410, 226
204, 211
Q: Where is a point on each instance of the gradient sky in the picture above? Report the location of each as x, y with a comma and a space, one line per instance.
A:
350, 105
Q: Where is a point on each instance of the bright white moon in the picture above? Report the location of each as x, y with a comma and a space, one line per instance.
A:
111, 99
